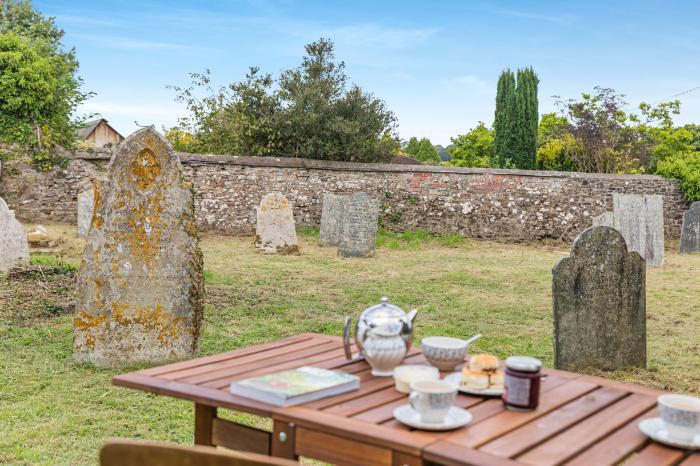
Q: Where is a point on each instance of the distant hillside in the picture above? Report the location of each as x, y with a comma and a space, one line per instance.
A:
442, 152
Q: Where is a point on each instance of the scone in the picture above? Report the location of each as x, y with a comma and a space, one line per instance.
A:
483, 362
475, 380
496, 379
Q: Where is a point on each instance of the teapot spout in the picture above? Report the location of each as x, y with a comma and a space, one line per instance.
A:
346, 338
412, 315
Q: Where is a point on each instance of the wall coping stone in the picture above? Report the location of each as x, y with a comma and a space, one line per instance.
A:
290, 162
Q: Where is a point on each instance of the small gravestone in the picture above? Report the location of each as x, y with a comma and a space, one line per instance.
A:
690, 233
640, 219
605, 219
140, 284
331, 219
275, 231
14, 248
599, 295
359, 228
86, 206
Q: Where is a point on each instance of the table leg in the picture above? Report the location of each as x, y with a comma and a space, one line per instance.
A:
283, 439
203, 424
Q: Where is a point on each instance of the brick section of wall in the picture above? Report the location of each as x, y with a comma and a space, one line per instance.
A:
511, 205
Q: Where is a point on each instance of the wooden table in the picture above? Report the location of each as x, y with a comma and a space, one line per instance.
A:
581, 420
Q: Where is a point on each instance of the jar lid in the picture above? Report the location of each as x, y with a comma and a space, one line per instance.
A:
523, 363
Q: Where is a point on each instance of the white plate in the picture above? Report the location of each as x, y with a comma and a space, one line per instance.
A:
456, 378
654, 428
456, 417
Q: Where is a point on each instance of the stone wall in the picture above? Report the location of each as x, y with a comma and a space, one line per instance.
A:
509, 205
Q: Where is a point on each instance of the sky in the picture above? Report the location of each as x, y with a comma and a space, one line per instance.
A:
434, 63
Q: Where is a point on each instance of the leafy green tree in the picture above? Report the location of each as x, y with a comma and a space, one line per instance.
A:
39, 83
314, 112
504, 118
427, 152
443, 153
412, 147
474, 149
685, 167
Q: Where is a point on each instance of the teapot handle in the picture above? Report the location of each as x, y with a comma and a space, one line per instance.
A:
346, 338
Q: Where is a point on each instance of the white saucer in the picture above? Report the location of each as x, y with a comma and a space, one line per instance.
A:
654, 428
456, 378
456, 417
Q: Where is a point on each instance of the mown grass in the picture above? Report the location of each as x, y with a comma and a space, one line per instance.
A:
53, 411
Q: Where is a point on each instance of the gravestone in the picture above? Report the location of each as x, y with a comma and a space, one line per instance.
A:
606, 219
86, 206
640, 219
599, 295
140, 284
331, 219
359, 228
14, 248
690, 233
275, 231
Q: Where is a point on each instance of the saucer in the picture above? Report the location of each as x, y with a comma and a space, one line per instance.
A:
456, 378
456, 417
654, 428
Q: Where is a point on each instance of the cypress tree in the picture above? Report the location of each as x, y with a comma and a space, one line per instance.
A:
504, 117
524, 147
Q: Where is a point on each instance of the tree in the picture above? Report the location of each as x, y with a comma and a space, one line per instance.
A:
314, 113
525, 120
427, 152
412, 147
504, 118
39, 83
474, 149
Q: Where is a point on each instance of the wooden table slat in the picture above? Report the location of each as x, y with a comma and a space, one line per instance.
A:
507, 421
450, 454
616, 446
204, 360
270, 356
692, 460
656, 454
579, 437
524, 438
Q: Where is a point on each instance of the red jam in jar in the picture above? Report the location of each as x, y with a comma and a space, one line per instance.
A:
521, 387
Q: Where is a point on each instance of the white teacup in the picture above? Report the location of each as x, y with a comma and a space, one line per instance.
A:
432, 399
681, 416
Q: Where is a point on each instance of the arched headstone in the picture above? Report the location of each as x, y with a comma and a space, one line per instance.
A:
599, 295
275, 231
359, 229
14, 248
331, 219
140, 284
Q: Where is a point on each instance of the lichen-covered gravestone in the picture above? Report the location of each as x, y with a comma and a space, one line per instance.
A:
14, 248
331, 219
606, 219
359, 228
690, 233
140, 284
275, 231
640, 219
86, 206
599, 295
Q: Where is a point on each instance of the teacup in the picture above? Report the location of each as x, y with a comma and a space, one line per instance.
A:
432, 399
681, 416
445, 353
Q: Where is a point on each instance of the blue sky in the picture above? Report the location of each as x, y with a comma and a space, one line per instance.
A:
434, 63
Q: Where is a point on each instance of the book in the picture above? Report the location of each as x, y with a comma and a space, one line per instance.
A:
293, 387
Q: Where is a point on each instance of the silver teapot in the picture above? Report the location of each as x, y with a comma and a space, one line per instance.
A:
383, 335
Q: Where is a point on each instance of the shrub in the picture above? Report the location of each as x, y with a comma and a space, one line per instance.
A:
684, 167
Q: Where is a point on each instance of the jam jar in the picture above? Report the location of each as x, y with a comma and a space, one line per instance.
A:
521, 391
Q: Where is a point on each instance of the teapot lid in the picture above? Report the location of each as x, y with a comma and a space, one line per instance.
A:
383, 310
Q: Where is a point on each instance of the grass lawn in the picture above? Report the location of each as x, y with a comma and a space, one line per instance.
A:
53, 411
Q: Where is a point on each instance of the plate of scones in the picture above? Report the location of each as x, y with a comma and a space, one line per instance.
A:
482, 375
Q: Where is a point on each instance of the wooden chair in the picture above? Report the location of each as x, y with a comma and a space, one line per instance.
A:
133, 453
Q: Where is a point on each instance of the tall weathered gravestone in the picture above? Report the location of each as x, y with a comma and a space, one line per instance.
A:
14, 248
331, 219
640, 219
86, 206
690, 233
140, 284
599, 295
359, 228
275, 231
